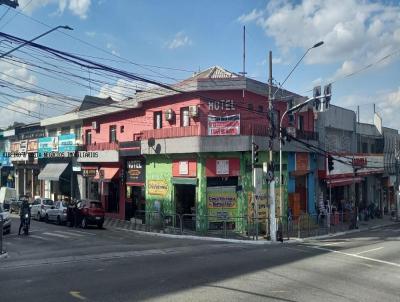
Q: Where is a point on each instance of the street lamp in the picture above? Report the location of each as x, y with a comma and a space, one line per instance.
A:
27, 42
280, 123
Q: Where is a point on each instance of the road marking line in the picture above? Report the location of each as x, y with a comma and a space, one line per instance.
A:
379, 248
332, 243
39, 237
69, 233
357, 256
56, 235
77, 295
82, 232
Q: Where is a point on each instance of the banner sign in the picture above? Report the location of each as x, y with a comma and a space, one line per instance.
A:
221, 203
67, 142
89, 172
135, 171
48, 144
224, 125
157, 187
32, 145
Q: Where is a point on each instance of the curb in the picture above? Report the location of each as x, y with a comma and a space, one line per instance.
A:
192, 237
350, 232
253, 242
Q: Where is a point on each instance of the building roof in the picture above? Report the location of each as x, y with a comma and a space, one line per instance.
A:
215, 72
211, 79
90, 102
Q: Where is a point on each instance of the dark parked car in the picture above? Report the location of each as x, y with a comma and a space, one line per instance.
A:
91, 212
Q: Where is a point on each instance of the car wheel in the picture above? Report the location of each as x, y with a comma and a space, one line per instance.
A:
100, 225
38, 216
46, 218
58, 220
84, 223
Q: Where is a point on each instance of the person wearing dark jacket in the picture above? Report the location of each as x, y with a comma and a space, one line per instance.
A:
70, 214
25, 209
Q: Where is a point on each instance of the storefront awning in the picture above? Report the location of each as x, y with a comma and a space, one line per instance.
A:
106, 174
52, 171
339, 182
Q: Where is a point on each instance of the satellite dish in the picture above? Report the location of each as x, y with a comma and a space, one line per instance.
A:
151, 142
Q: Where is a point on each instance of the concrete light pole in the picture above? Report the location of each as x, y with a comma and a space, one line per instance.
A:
27, 42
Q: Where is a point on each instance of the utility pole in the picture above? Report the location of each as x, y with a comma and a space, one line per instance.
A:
10, 3
396, 190
272, 218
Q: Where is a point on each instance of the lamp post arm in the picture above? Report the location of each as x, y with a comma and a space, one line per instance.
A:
27, 42
290, 73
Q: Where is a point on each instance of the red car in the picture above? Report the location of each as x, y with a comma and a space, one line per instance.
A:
91, 212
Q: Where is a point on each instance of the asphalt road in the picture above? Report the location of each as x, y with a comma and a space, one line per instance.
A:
56, 263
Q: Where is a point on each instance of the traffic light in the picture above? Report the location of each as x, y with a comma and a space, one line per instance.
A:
255, 152
327, 96
330, 163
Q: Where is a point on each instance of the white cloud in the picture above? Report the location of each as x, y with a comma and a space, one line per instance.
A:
387, 105
90, 34
252, 16
355, 32
122, 89
180, 40
111, 47
79, 8
17, 74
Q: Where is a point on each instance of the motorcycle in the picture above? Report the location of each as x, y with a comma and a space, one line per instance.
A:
25, 224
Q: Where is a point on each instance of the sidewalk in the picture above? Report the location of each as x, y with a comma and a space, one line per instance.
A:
363, 226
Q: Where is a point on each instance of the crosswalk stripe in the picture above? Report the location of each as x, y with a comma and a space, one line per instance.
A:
82, 232
39, 237
56, 235
69, 233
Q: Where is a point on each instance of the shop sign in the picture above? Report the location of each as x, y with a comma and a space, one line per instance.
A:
262, 203
89, 172
157, 187
48, 144
224, 125
221, 105
369, 164
183, 167
14, 147
135, 171
222, 166
32, 145
23, 146
221, 202
67, 142
302, 161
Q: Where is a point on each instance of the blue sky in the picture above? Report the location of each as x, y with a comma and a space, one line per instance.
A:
194, 35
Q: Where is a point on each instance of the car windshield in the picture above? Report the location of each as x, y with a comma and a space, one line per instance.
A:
48, 202
96, 205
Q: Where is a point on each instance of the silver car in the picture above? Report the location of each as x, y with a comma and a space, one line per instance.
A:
57, 212
40, 207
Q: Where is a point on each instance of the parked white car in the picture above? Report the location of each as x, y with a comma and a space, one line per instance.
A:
40, 207
5, 216
57, 212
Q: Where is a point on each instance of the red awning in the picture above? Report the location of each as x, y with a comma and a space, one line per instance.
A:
106, 174
339, 182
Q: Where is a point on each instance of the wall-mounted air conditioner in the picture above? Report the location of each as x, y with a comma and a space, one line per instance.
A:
169, 115
94, 125
193, 111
